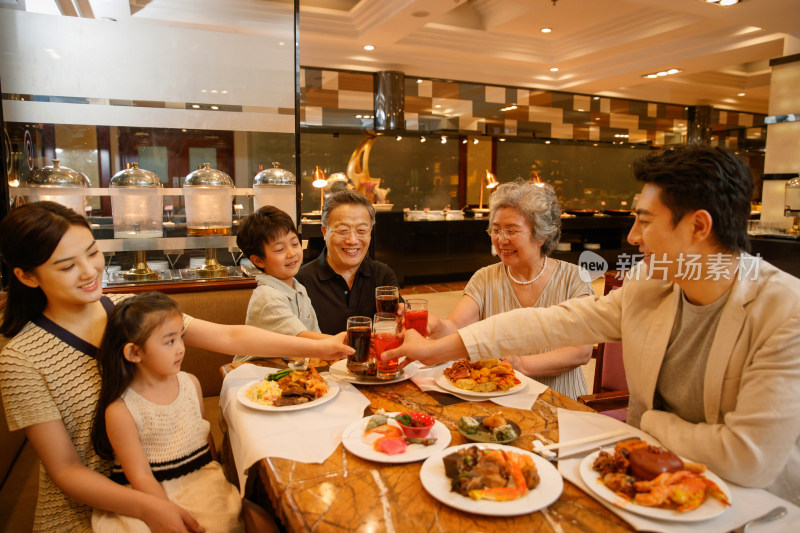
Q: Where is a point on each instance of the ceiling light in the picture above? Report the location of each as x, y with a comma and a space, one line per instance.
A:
214, 107
444, 139
437, 106
728, 2
399, 138
358, 116
673, 71
463, 141
419, 81
369, 47
475, 141
553, 69
502, 139
195, 106
546, 30
662, 73
547, 142
422, 139
739, 94
667, 72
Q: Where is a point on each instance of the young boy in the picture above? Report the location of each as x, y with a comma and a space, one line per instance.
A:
279, 303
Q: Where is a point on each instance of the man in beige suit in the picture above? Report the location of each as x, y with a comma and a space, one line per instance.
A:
710, 335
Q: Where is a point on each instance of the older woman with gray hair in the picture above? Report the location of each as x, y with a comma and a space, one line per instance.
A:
525, 226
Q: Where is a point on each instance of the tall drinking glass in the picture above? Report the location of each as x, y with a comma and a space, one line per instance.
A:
416, 315
359, 332
387, 298
385, 328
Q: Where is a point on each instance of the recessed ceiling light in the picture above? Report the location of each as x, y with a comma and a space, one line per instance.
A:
728, 2
399, 138
739, 94
662, 73
369, 47
437, 106
215, 108
195, 106
419, 81
422, 139
673, 71
546, 30
547, 142
475, 141
553, 69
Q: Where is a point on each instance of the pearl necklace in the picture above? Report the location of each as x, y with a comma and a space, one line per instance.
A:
539, 275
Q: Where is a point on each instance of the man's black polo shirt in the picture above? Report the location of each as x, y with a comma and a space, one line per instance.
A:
333, 300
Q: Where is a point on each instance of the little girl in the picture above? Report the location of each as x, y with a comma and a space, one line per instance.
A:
149, 419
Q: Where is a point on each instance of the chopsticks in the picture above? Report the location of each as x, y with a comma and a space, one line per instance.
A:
547, 450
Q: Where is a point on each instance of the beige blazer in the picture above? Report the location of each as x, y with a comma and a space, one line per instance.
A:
751, 392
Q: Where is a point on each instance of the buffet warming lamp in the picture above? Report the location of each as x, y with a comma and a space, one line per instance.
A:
53, 183
792, 201
137, 212
277, 187
320, 183
491, 183
208, 212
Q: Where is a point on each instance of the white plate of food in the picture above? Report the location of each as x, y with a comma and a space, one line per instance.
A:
353, 440
434, 478
710, 508
444, 382
248, 395
339, 371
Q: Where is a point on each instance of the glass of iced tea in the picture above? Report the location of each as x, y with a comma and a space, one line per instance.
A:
359, 332
385, 329
387, 299
416, 315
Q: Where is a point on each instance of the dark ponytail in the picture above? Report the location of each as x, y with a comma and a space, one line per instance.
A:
132, 321
29, 235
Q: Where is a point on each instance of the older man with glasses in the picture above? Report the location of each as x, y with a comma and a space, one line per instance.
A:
341, 282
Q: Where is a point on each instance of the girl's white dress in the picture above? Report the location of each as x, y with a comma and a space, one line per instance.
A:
175, 440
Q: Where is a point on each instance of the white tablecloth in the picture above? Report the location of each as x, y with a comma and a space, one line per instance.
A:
747, 503
523, 399
307, 436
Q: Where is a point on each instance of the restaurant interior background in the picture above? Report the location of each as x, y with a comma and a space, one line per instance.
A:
190, 90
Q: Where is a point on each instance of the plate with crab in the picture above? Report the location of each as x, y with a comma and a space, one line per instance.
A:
689, 493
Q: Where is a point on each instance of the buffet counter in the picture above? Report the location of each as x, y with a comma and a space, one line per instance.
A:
423, 251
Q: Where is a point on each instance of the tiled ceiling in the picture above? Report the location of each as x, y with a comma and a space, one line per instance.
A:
600, 47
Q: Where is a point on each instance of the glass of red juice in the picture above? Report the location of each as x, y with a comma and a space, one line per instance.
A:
387, 299
385, 330
416, 315
359, 332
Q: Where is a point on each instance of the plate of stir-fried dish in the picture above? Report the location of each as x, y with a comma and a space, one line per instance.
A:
491, 479
487, 378
288, 390
653, 482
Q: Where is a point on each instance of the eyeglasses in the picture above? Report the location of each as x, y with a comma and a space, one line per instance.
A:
507, 233
344, 232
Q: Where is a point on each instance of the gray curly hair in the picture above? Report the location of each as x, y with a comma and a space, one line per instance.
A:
537, 203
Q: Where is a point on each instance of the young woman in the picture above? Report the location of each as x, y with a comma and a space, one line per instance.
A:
150, 418
49, 378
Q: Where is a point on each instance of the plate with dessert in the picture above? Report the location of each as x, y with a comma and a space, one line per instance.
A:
654, 482
396, 437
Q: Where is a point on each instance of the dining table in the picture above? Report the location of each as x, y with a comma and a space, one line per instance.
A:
348, 493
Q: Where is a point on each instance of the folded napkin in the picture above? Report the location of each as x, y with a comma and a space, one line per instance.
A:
747, 503
524, 399
307, 436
